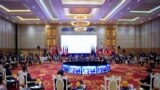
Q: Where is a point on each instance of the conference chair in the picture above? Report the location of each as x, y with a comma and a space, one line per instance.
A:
21, 80
148, 85
60, 82
33, 85
8, 79
111, 83
156, 82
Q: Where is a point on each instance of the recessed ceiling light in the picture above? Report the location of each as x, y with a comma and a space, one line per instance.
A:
128, 8
33, 7
138, 1
7, 17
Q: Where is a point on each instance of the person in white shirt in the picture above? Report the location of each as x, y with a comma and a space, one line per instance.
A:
156, 83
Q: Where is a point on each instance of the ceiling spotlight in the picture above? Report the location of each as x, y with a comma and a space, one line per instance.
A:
33, 7
128, 8
138, 1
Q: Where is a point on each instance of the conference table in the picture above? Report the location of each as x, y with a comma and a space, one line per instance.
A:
86, 67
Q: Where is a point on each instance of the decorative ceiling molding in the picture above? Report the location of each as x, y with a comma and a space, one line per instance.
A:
8, 10
27, 19
99, 11
118, 6
84, 2
130, 20
41, 2
93, 12
146, 12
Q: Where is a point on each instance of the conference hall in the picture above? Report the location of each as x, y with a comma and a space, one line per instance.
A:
79, 44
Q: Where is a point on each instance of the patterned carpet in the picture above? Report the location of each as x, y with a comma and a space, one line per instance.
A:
130, 72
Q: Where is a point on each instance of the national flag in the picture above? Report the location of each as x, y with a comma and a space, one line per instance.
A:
107, 52
57, 50
65, 50
97, 50
110, 52
100, 51
60, 51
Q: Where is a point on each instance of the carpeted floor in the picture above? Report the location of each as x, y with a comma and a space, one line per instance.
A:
130, 72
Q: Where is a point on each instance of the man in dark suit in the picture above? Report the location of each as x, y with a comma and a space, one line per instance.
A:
147, 79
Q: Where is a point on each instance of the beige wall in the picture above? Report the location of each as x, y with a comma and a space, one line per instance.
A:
7, 35
150, 34
132, 38
126, 36
31, 36
139, 38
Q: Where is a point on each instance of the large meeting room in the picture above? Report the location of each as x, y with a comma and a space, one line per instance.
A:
79, 44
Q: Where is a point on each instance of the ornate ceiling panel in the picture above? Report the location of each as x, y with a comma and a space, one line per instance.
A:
80, 10
98, 11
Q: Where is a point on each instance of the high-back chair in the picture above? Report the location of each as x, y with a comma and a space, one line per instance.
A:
8, 78
151, 82
111, 83
156, 82
27, 81
21, 80
59, 82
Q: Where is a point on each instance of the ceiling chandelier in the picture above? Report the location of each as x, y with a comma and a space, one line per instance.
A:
80, 24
